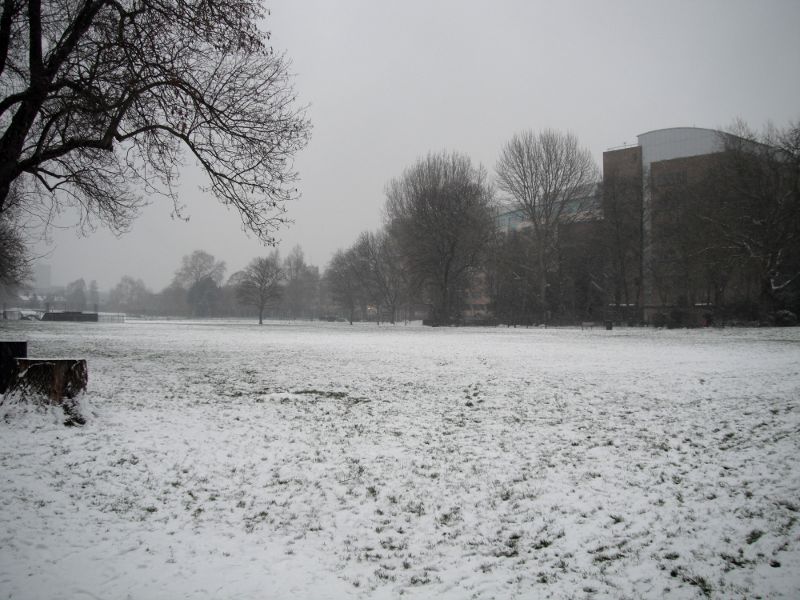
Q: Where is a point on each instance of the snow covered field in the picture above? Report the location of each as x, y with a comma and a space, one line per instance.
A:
227, 460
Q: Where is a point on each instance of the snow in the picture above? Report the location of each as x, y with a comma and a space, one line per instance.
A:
226, 460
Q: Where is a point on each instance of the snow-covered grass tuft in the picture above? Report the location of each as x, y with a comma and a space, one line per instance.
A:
223, 459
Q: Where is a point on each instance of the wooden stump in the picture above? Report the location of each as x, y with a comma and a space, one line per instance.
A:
51, 381
8, 366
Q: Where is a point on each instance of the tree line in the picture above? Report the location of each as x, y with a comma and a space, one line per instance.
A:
102, 100
726, 237
717, 240
440, 253
268, 287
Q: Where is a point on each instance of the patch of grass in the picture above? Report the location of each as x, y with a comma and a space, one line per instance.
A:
322, 394
416, 508
251, 521
422, 579
509, 548
601, 558
737, 560
700, 582
450, 517
542, 543
383, 574
754, 536
696, 580
393, 545
786, 527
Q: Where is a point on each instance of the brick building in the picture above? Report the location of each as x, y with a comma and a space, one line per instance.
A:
655, 257
636, 254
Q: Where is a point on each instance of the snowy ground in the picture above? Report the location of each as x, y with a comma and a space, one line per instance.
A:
227, 460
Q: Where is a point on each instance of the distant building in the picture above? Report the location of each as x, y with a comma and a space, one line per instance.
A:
587, 206
622, 258
645, 188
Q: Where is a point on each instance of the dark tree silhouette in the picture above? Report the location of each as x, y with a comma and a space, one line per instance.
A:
345, 280
752, 206
440, 213
551, 178
100, 101
199, 265
259, 284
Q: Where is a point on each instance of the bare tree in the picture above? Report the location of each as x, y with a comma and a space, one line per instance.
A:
200, 275
751, 206
75, 294
440, 213
551, 178
100, 100
299, 287
344, 279
131, 296
94, 295
382, 271
197, 266
259, 283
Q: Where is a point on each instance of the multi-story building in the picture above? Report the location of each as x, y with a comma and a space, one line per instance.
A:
636, 250
650, 193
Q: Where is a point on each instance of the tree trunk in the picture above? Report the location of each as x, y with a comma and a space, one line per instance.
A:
766, 300
543, 284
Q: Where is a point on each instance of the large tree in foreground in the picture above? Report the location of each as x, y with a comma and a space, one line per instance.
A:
259, 284
551, 179
101, 100
440, 214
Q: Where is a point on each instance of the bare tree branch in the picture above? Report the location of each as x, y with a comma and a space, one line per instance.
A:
145, 81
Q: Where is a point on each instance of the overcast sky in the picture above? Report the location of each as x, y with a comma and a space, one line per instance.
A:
388, 81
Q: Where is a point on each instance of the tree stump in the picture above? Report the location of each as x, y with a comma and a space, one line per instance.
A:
9, 351
51, 381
